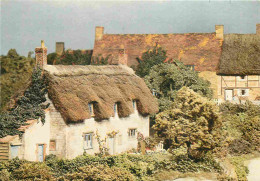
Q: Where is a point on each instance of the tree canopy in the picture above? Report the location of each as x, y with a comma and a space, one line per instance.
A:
16, 72
154, 56
192, 122
166, 79
75, 57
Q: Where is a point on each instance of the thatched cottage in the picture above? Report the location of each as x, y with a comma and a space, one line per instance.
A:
239, 68
87, 104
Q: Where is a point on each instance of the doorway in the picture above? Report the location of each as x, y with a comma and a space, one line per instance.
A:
40, 152
228, 94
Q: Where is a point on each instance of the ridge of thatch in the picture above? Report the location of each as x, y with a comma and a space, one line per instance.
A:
240, 55
72, 88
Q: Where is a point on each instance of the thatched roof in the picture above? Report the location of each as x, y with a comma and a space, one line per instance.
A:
72, 88
240, 55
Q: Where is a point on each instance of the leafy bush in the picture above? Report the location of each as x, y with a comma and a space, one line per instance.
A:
99, 173
69, 57
242, 121
117, 167
100, 60
192, 122
32, 171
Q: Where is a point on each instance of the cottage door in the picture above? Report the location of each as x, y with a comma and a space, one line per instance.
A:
40, 152
14, 150
111, 145
228, 94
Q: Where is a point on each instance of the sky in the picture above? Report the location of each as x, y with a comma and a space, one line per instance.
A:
25, 23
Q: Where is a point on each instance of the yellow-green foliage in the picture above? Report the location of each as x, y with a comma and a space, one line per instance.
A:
241, 169
193, 121
33, 171
242, 121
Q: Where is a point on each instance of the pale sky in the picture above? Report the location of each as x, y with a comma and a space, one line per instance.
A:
25, 23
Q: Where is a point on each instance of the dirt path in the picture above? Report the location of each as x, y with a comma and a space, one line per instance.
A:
254, 170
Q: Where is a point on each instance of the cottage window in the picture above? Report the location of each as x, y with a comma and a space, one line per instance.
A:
132, 133
134, 104
191, 67
15, 151
91, 109
115, 109
88, 138
154, 92
242, 78
52, 145
243, 92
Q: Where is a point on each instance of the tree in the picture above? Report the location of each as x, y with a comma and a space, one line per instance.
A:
152, 57
76, 57
192, 122
29, 106
166, 79
16, 71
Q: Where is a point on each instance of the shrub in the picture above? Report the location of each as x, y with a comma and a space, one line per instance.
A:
100, 172
192, 122
32, 171
242, 121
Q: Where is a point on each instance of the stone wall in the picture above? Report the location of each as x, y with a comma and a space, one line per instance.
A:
58, 131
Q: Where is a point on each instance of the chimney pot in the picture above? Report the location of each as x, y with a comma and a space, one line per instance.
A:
219, 31
258, 29
99, 32
41, 55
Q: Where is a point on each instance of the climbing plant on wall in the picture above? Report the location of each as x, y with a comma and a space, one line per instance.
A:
29, 106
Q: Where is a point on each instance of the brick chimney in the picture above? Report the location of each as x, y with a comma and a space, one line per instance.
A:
41, 55
122, 57
60, 48
99, 32
258, 29
219, 31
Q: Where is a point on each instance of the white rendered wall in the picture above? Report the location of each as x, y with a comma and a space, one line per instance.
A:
69, 137
75, 132
37, 133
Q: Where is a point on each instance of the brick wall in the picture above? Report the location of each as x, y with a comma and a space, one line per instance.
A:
41, 56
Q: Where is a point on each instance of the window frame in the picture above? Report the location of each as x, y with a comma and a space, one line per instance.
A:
242, 79
86, 145
191, 67
130, 133
246, 93
134, 104
91, 109
115, 108
54, 148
